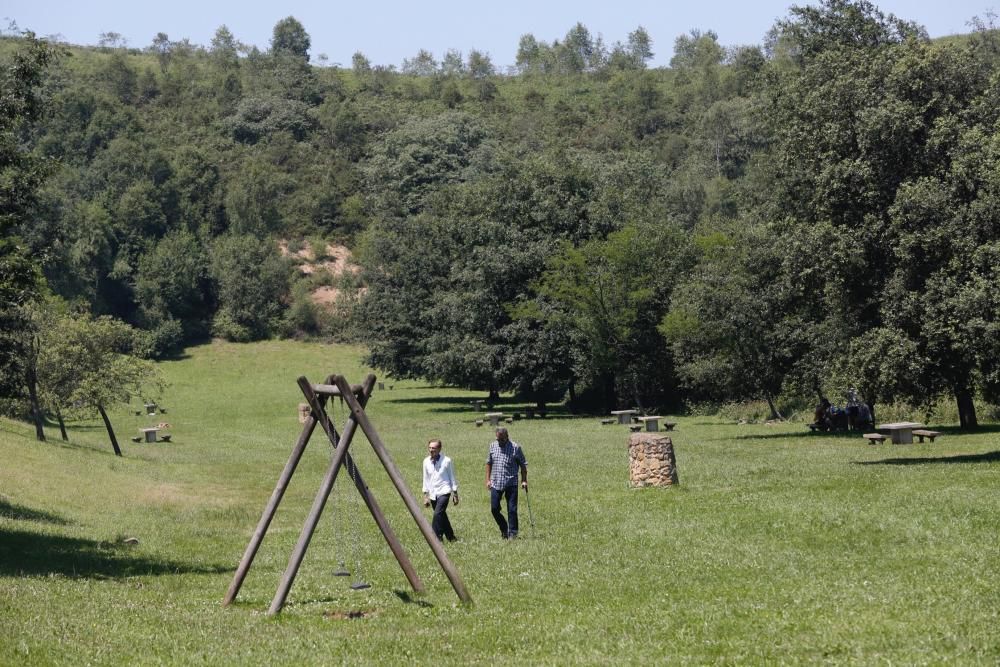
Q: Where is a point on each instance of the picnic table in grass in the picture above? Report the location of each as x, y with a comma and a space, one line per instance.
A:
149, 434
494, 417
624, 416
901, 433
651, 422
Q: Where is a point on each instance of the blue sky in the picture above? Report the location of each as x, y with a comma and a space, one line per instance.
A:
389, 31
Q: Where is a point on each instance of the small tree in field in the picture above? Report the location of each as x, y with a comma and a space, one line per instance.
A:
89, 364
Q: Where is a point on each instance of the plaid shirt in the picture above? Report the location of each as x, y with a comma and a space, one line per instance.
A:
505, 460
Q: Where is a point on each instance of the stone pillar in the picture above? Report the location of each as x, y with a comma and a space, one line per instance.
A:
651, 460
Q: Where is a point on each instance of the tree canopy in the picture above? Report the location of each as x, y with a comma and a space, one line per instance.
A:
754, 221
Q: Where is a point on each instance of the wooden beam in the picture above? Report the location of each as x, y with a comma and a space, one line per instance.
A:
332, 390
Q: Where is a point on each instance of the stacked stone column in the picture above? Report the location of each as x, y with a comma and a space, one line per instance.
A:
651, 460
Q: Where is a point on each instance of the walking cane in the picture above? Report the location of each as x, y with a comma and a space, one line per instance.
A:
531, 519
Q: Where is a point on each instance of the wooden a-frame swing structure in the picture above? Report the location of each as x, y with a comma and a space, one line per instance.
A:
356, 397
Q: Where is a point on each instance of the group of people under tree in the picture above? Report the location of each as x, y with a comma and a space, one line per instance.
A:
855, 416
503, 461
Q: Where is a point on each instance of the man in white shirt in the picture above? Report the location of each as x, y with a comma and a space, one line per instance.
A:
439, 485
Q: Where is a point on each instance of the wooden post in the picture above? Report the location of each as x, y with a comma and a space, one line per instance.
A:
271, 507
411, 504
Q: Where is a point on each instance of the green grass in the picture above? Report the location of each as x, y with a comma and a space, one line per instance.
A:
778, 546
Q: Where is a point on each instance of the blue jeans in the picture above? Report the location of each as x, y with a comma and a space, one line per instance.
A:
508, 527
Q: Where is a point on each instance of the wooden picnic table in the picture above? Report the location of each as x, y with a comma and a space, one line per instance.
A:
624, 416
900, 432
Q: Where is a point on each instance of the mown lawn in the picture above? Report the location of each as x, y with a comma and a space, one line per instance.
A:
778, 546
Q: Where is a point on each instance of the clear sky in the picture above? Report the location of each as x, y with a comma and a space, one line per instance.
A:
387, 31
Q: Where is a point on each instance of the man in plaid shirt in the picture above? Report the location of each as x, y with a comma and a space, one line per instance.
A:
502, 463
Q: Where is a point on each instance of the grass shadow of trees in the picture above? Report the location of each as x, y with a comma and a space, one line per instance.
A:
29, 553
10, 510
986, 457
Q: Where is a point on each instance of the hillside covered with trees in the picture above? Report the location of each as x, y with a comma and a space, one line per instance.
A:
814, 212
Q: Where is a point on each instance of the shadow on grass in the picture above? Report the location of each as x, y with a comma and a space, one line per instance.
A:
859, 435
846, 435
409, 599
21, 513
988, 457
445, 403
460, 404
25, 553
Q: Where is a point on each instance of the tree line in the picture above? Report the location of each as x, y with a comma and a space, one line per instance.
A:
789, 218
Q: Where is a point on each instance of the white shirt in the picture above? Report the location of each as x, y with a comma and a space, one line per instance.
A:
439, 477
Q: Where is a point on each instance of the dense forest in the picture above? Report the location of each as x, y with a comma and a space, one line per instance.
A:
791, 218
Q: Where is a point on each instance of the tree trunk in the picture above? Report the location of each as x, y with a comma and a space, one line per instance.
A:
36, 409
572, 397
494, 395
111, 431
773, 408
966, 408
62, 424
635, 393
871, 410
610, 397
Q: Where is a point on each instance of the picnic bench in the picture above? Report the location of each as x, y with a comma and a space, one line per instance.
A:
900, 432
923, 433
669, 426
494, 417
875, 438
635, 428
607, 421
624, 416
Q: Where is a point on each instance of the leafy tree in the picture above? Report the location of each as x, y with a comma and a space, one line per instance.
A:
252, 284
733, 329
22, 173
252, 198
452, 63
290, 38
866, 167
607, 293
89, 364
422, 155
479, 65
640, 46
422, 64
360, 64
532, 55
173, 283
161, 48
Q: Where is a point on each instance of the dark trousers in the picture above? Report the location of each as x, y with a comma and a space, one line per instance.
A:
440, 523
508, 527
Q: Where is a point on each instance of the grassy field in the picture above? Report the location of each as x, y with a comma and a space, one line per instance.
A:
777, 547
